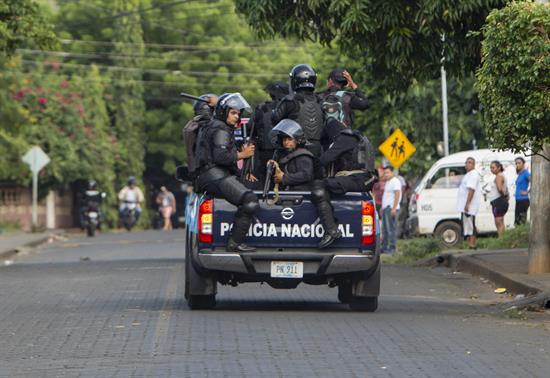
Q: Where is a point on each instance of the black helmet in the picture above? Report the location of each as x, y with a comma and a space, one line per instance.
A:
302, 76
131, 180
201, 107
92, 185
289, 128
277, 90
230, 101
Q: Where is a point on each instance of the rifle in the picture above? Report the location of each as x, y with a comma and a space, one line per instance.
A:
269, 176
191, 97
248, 167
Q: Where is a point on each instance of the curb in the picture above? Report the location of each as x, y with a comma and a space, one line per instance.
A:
471, 264
536, 295
5, 255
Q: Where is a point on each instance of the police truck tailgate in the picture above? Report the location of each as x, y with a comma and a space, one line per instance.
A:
294, 222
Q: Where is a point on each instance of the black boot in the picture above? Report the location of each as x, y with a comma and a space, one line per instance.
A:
329, 238
233, 246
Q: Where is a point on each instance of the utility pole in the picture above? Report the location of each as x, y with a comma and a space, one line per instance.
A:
444, 100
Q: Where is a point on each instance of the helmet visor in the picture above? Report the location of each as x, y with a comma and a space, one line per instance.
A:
236, 101
285, 127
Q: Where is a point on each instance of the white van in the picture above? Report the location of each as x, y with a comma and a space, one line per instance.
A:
432, 208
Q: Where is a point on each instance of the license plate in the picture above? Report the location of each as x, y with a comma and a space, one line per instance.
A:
287, 269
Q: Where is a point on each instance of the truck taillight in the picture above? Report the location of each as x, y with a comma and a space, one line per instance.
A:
368, 223
205, 222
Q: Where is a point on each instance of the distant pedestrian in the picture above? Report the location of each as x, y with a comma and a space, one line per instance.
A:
390, 210
378, 191
522, 191
498, 196
468, 201
167, 206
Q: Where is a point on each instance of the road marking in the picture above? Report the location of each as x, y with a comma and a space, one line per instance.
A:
170, 297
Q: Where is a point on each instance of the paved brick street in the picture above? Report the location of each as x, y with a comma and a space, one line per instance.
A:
113, 306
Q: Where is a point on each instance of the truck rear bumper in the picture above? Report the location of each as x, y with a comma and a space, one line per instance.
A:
315, 262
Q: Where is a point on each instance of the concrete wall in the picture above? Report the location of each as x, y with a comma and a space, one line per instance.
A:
54, 211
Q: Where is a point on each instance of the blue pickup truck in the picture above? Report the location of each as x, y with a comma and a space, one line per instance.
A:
286, 234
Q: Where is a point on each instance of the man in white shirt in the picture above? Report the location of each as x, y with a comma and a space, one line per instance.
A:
469, 198
390, 210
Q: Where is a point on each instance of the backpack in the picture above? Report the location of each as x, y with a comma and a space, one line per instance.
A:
343, 100
190, 134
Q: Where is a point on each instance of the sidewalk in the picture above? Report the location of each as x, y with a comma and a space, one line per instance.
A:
12, 243
505, 268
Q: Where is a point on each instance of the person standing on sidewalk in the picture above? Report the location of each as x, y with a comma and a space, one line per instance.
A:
498, 196
390, 210
167, 207
469, 198
522, 191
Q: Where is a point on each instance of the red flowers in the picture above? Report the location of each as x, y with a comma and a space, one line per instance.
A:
42, 100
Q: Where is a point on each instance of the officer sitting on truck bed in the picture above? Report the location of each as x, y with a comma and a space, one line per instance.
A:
217, 159
297, 171
349, 158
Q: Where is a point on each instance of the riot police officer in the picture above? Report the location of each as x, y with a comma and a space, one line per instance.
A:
349, 164
303, 106
218, 156
338, 80
263, 124
296, 165
299, 171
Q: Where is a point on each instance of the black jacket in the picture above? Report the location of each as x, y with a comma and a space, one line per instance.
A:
217, 148
299, 170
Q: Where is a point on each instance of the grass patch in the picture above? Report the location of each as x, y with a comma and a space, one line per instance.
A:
9, 226
517, 237
411, 250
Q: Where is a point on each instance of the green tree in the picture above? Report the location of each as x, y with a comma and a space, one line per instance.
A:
21, 23
127, 101
399, 40
514, 86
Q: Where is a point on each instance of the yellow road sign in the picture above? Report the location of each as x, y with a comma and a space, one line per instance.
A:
397, 148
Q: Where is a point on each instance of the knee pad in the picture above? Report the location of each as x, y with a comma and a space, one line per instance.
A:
318, 191
250, 203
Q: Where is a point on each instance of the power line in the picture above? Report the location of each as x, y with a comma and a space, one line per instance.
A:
178, 46
180, 86
113, 56
156, 70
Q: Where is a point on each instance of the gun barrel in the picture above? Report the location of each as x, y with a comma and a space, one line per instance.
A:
191, 97
267, 184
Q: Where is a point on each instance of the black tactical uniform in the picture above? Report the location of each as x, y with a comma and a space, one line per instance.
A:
301, 169
351, 100
303, 106
340, 160
217, 155
262, 124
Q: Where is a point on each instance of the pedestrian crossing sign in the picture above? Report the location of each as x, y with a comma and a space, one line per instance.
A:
397, 148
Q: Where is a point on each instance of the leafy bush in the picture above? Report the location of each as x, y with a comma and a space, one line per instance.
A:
8, 226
